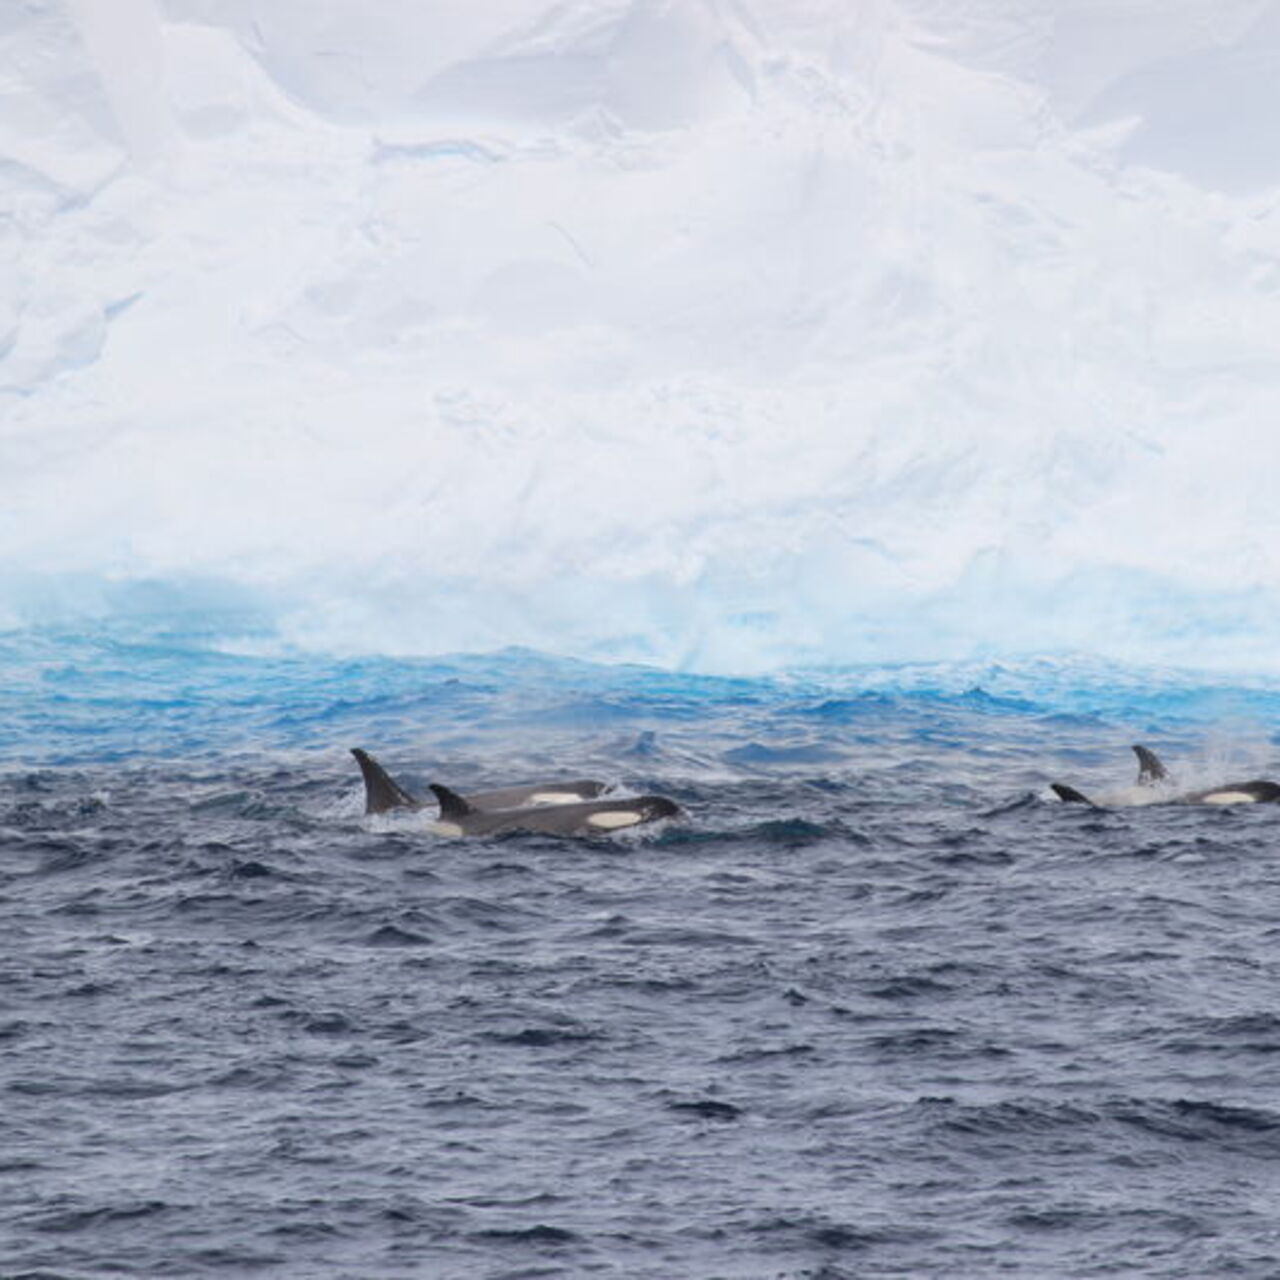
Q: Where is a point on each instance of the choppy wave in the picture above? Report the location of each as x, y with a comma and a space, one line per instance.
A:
121, 692
878, 1005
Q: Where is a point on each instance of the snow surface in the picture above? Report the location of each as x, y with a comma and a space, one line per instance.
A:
723, 334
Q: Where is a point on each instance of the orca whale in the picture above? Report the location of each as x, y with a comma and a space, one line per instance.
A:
382, 792
553, 808
1152, 774
458, 817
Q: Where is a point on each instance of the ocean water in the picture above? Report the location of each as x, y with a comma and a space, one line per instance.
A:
813, 347
876, 1006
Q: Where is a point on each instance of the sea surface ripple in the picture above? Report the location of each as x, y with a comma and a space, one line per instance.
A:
878, 1006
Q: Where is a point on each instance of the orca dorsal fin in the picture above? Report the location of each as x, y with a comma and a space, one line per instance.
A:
452, 806
1070, 795
1150, 770
381, 790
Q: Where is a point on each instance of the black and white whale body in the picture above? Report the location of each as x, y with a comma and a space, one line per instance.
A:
460, 817
554, 807
383, 793
1154, 777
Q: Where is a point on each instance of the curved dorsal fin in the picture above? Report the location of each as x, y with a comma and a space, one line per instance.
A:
381, 790
1071, 795
452, 805
1150, 770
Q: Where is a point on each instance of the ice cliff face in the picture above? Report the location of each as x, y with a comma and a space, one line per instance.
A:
718, 333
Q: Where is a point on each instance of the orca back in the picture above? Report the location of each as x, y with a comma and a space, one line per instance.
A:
1257, 791
587, 817
537, 793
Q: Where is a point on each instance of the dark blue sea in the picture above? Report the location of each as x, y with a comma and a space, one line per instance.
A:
877, 1006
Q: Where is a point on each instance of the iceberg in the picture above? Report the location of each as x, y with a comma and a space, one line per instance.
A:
723, 336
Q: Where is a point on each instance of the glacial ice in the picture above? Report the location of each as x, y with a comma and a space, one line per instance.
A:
722, 334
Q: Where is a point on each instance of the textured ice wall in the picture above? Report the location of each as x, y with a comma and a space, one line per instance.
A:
718, 333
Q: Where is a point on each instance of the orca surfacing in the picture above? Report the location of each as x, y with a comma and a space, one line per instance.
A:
1152, 774
382, 792
572, 808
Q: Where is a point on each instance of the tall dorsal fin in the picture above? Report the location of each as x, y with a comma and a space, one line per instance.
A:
381, 790
1150, 770
452, 806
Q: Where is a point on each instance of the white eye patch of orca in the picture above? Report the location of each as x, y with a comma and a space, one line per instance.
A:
1228, 797
615, 819
445, 829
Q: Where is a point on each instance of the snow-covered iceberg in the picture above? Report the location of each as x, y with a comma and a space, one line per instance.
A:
722, 334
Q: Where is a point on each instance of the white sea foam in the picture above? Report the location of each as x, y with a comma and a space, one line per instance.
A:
721, 336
